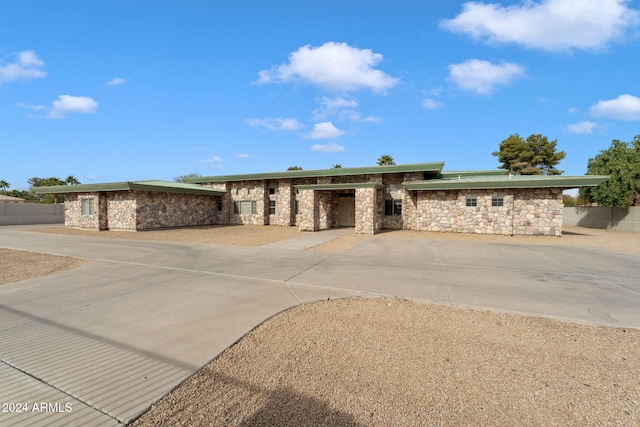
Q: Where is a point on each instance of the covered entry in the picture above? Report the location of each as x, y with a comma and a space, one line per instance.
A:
346, 210
323, 206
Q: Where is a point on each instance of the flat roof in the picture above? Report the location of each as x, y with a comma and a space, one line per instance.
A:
506, 181
159, 186
418, 167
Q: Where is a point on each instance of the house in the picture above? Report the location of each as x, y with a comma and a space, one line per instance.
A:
412, 197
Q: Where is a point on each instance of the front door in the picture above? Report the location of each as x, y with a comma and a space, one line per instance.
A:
346, 212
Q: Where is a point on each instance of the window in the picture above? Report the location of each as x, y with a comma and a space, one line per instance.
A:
295, 208
245, 207
219, 205
497, 201
393, 207
251, 191
472, 201
88, 206
272, 207
272, 191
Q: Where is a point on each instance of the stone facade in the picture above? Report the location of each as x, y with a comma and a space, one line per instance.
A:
530, 211
139, 210
389, 206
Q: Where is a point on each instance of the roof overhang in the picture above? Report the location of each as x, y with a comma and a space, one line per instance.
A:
351, 186
158, 186
433, 168
504, 182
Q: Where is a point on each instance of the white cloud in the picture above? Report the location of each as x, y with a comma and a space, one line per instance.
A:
553, 25
624, 107
482, 77
277, 123
214, 162
356, 116
67, 104
331, 147
332, 106
26, 67
431, 104
573, 110
31, 107
341, 107
332, 66
116, 81
324, 130
242, 156
582, 128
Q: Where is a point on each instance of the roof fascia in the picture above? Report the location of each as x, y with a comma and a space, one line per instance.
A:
346, 186
565, 182
418, 167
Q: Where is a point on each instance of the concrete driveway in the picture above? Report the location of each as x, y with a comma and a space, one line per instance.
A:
98, 345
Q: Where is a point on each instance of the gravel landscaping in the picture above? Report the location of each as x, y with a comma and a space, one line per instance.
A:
382, 361
21, 265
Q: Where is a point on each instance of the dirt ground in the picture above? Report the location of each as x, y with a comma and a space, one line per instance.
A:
370, 362
21, 265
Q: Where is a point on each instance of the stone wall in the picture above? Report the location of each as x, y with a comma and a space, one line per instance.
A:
306, 218
73, 216
367, 215
248, 191
528, 211
161, 210
121, 211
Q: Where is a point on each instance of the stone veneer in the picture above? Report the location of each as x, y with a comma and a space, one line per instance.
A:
525, 211
140, 210
530, 211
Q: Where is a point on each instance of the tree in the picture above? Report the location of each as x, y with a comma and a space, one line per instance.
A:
622, 163
182, 178
336, 166
294, 168
47, 182
4, 184
535, 156
71, 180
385, 160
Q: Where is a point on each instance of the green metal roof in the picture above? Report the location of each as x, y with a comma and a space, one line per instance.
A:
340, 186
455, 174
418, 167
507, 181
159, 186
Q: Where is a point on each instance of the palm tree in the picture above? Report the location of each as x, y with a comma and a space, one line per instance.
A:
4, 184
385, 160
336, 166
71, 180
294, 168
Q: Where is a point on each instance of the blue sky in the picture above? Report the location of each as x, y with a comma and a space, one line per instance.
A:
129, 90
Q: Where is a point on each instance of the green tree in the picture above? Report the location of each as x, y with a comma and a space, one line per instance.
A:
336, 166
47, 182
568, 200
294, 168
534, 156
622, 163
71, 180
386, 160
4, 184
182, 178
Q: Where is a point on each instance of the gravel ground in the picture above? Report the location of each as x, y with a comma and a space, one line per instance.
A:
237, 235
369, 362
21, 265
388, 362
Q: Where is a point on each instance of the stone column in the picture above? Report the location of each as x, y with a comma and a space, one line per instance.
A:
365, 210
308, 211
